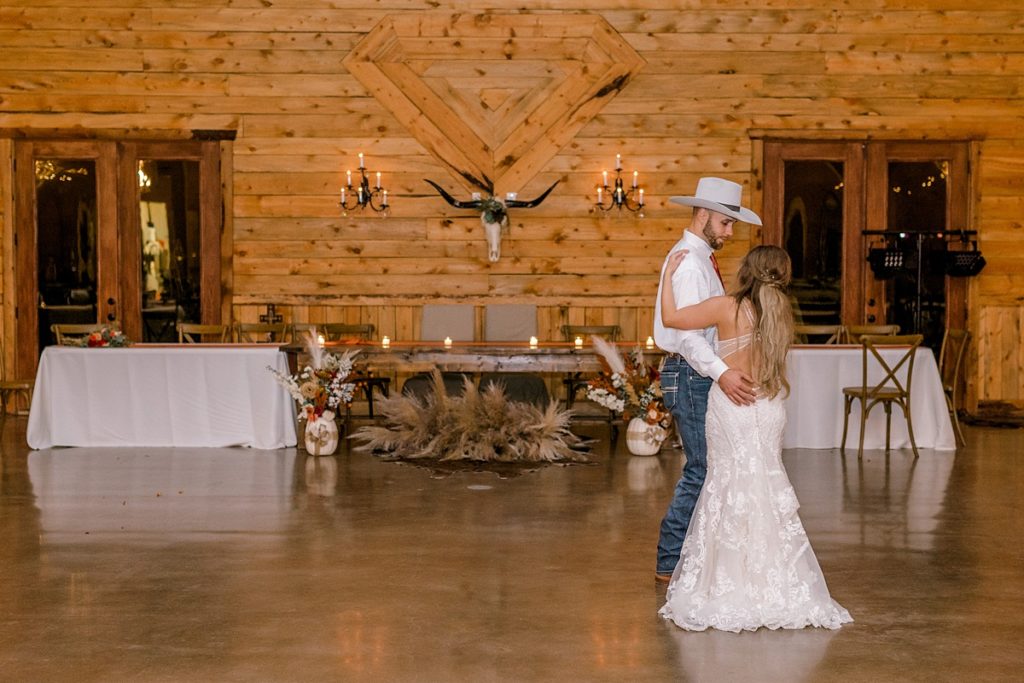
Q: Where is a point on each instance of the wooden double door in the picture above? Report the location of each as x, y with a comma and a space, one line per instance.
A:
115, 232
830, 204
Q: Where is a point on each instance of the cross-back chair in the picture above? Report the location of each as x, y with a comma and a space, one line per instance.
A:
261, 333
70, 334
890, 390
818, 334
951, 362
853, 333
196, 333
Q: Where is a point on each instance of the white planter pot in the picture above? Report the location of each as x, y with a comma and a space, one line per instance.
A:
322, 435
643, 438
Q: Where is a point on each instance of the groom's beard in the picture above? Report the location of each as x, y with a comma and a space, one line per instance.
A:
716, 242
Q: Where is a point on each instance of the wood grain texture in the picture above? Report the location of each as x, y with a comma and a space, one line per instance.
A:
711, 80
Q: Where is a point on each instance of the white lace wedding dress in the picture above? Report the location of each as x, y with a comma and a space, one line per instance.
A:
746, 562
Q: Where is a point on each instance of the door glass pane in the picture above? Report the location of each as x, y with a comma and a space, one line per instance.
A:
916, 205
66, 243
813, 236
169, 216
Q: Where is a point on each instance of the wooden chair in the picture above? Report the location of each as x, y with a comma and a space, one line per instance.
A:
69, 334
951, 362
195, 333
343, 331
261, 333
888, 391
831, 334
12, 389
575, 381
853, 333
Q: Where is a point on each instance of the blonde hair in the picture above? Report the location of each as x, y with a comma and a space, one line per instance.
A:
763, 276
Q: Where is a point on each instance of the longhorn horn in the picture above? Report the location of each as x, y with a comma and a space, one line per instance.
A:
474, 204
533, 202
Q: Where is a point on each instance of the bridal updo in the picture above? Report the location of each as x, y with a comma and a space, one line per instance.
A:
763, 277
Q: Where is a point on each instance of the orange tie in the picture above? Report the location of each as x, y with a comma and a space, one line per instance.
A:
718, 272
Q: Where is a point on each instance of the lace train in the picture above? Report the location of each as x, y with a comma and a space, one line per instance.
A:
746, 562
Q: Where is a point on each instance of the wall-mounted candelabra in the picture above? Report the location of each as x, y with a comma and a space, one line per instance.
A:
363, 195
617, 195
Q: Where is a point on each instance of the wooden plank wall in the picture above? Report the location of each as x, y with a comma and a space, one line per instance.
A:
715, 72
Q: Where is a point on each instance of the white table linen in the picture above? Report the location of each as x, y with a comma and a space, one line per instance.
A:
814, 408
185, 396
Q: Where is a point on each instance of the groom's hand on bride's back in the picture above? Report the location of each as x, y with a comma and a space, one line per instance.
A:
738, 386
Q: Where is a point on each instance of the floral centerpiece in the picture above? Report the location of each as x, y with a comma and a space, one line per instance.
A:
628, 385
320, 388
104, 337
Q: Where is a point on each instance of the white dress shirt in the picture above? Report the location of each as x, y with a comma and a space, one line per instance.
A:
694, 281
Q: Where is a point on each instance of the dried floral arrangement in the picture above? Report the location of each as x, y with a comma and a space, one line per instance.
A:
477, 426
628, 385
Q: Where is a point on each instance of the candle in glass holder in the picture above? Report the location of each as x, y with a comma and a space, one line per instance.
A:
447, 342
578, 343
320, 339
650, 343
533, 342
385, 342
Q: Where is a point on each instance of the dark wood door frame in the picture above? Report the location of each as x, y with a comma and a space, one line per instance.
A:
865, 208
118, 286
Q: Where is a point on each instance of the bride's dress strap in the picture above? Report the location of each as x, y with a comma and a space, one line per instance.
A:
727, 347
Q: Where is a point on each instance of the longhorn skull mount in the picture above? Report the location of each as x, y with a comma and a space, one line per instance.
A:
493, 213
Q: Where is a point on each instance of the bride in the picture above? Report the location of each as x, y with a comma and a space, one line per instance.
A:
746, 561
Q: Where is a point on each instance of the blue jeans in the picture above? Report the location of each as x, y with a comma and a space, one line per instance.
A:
686, 397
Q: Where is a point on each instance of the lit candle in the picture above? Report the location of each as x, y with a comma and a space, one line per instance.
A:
378, 180
360, 194
343, 195
385, 342
348, 177
533, 342
636, 178
604, 174
447, 342
320, 339
599, 195
618, 162
361, 166
650, 343
579, 342
641, 197
385, 202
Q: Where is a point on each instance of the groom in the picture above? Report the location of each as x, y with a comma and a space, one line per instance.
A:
690, 364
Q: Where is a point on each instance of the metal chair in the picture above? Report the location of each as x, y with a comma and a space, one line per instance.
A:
831, 334
951, 362
853, 333
70, 334
575, 381
888, 391
195, 333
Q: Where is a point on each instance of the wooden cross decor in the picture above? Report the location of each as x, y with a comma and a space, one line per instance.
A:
271, 316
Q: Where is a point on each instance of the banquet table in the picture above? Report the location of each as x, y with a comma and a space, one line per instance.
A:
814, 409
187, 395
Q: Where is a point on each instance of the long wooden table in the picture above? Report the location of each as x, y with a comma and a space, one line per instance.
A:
817, 375
552, 357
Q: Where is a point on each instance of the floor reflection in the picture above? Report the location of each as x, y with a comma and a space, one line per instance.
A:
85, 494
783, 656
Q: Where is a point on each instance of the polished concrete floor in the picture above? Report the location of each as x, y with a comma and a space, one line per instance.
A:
242, 565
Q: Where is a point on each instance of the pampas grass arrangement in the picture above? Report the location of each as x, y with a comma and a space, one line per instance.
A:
477, 426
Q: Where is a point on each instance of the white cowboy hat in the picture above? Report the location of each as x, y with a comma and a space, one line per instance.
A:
723, 196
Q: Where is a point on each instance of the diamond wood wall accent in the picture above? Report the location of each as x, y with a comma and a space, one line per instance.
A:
493, 96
